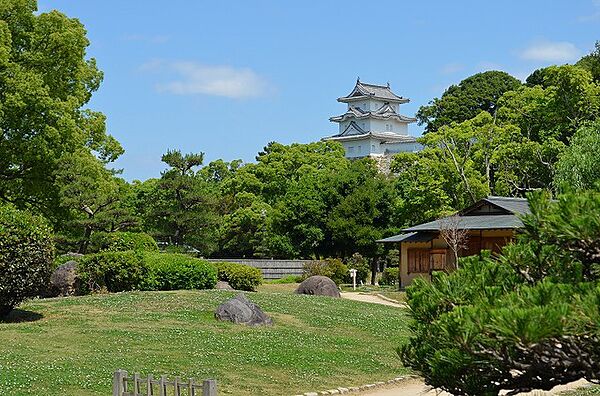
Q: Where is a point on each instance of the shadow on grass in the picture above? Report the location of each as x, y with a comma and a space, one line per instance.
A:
20, 316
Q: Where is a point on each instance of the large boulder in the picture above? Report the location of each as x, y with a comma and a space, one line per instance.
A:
318, 286
64, 281
242, 311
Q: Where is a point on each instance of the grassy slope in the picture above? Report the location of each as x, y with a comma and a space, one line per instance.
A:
316, 343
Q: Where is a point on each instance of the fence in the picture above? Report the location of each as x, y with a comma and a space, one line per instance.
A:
271, 269
125, 385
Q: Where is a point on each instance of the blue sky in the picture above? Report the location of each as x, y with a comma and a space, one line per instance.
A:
227, 77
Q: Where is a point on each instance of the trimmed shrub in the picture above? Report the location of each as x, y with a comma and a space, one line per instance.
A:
331, 268
122, 241
240, 276
113, 272
286, 280
26, 254
389, 276
171, 271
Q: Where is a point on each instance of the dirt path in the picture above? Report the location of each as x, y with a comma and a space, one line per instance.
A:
370, 298
416, 387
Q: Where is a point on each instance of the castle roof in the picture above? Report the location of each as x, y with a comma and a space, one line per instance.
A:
384, 112
354, 132
363, 90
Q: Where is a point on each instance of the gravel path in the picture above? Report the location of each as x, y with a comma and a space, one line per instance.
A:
416, 387
370, 298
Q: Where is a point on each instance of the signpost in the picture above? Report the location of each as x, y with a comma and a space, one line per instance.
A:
353, 275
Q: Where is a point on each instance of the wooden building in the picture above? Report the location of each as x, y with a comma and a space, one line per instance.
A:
489, 225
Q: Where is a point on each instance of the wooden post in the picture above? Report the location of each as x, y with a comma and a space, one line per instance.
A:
149, 390
136, 384
177, 389
209, 388
118, 383
191, 389
162, 385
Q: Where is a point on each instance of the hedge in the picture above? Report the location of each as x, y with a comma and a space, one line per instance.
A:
138, 270
26, 254
173, 271
113, 272
122, 241
239, 276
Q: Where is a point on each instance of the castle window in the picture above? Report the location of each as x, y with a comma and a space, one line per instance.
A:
351, 149
359, 149
372, 147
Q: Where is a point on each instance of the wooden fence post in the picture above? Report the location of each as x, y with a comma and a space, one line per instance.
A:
149, 385
118, 386
209, 388
162, 385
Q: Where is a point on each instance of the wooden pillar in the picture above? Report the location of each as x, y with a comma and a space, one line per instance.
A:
209, 388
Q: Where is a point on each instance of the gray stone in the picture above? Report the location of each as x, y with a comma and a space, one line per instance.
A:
318, 286
64, 281
222, 285
242, 311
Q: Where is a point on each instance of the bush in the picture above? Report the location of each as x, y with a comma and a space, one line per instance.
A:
362, 267
389, 276
522, 321
331, 268
171, 271
286, 280
26, 254
113, 272
240, 276
122, 241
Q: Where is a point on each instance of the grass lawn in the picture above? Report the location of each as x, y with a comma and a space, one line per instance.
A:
316, 343
591, 391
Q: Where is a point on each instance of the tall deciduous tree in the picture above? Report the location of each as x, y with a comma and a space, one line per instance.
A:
45, 80
464, 101
578, 167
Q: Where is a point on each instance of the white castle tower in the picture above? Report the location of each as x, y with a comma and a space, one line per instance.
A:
373, 125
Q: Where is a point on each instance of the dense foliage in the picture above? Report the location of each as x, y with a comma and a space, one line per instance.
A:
390, 276
139, 270
120, 241
526, 320
112, 271
45, 82
239, 276
26, 254
331, 268
169, 271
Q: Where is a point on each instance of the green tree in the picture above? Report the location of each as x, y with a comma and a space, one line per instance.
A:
92, 197
591, 62
522, 321
578, 167
464, 101
45, 80
186, 210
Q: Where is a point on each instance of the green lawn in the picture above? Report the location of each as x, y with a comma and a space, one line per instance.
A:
588, 391
316, 343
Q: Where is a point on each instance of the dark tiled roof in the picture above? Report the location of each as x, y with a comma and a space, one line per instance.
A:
515, 205
485, 222
409, 237
374, 91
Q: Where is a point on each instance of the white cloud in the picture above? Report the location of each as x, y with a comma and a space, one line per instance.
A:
451, 68
594, 15
192, 78
546, 51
